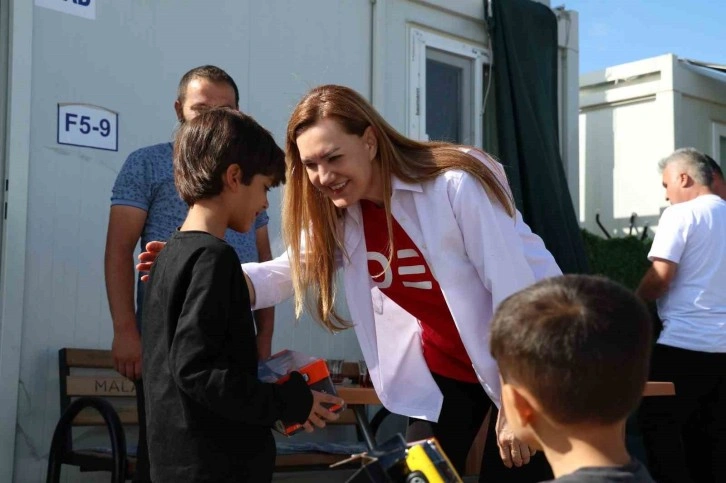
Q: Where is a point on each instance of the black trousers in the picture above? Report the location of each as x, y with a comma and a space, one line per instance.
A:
463, 411
143, 469
142, 450
685, 434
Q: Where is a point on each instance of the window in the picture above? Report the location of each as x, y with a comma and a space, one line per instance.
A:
447, 89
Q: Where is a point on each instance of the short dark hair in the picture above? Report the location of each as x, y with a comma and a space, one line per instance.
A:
215, 139
580, 344
714, 166
211, 73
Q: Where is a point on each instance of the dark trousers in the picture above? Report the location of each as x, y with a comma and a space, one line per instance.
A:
685, 434
143, 470
462, 414
142, 450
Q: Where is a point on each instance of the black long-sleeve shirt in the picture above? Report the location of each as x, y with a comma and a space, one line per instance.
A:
208, 416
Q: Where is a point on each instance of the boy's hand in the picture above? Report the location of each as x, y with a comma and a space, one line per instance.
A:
319, 414
146, 259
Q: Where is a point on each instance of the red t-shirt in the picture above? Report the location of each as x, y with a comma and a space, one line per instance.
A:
408, 281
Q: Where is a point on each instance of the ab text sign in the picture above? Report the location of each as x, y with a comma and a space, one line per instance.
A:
88, 126
79, 8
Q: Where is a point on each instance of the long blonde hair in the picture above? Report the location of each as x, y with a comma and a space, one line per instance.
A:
310, 220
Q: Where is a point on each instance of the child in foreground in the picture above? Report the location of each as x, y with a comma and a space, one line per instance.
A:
208, 416
573, 353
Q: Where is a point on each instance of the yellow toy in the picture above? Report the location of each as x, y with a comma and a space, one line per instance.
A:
396, 461
428, 464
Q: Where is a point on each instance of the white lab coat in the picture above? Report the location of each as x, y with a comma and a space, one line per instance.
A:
479, 256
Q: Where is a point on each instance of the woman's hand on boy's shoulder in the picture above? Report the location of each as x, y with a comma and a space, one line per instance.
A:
147, 258
319, 413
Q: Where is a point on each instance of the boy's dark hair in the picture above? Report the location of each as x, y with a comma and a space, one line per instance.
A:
211, 73
215, 139
580, 344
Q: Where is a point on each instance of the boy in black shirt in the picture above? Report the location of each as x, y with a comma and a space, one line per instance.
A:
208, 416
573, 354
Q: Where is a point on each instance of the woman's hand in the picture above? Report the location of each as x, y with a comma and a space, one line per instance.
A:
512, 451
146, 259
319, 413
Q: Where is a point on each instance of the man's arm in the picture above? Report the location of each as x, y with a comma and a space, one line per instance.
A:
264, 318
125, 224
656, 280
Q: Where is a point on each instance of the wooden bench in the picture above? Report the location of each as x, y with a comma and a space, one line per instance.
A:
92, 393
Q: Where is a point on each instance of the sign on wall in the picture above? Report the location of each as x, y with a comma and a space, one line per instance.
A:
80, 8
88, 126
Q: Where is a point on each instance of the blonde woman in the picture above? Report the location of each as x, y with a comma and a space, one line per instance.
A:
429, 242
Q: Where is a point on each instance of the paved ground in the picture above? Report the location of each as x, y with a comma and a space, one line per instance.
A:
327, 476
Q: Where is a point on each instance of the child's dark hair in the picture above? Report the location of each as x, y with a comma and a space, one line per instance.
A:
580, 344
215, 139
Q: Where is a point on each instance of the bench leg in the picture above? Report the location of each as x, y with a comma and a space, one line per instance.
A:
364, 425
113, 424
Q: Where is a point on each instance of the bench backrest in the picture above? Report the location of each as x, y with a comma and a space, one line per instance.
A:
90, 372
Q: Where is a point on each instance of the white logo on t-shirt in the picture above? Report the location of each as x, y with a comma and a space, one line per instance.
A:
403, 270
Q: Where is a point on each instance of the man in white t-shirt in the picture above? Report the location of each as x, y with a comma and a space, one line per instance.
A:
685, 435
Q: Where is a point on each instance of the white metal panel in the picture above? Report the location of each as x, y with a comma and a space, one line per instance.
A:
629, 116
379, 32
596, 135
473, 9
700, 123
620, 149
582, 167
627, 82
624, 72
4, 98
639, 142
15, 226
568, 67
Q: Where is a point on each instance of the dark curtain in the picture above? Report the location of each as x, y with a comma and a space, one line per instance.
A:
524, 44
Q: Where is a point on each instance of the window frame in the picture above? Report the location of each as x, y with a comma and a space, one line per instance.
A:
420, 40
